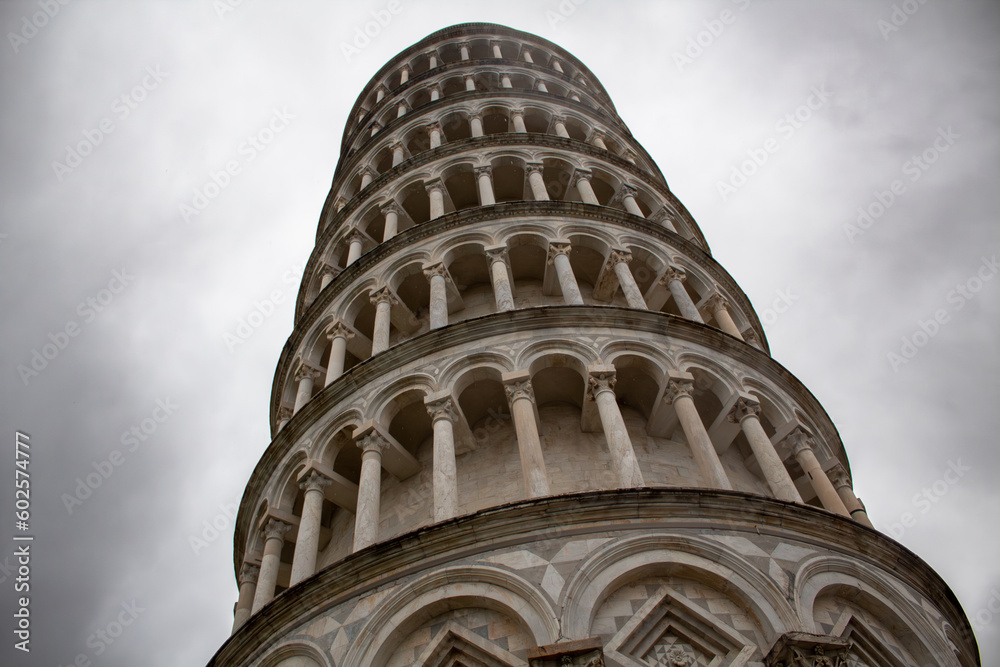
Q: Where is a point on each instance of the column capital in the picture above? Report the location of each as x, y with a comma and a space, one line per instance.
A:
376, 125
559, 247
838, 475
619, 255
382, 87
275, 529
249, 573
383, 295
678, 384
307, 371
391, 207
717, 302
661, 214
518, 386
339, 330
433, 184
808, 650
532, 167
436, 125
484, 169
354, 234
464, 44
750, 336
284, 412
745, 406
431, 53
600, 378
438, 269
516, 111
497, 253
327, 270
441, 408
396, 145
314, 480
673, 273
559, 118
372, 441
596, 133
582, 175
478, 113
624, 191
799, 440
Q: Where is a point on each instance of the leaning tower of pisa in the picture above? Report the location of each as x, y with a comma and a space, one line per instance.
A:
525, 419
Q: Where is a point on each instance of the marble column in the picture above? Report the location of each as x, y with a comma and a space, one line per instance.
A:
437, 275
356, 240
557, 66
502, 292
338, 334
673, 279
542, 88
719, 307
559, 259
526, 54
560, 126
284, 415
404, 75
583, 185
517, 116
380, 93
801, 445
626, 195
597, 139
476, 124
750, 336
435, 93
496, 49
434, 134
601, 381
842, 482
463, 50
432, 59
248, 586
484, 180
746, 413
390, 228
680, 394
397, 153
574, 97
367, 176
521, 398
537, 181
443, 418
326, 276
384, 300
376, 126
435, 192
305, 376
270, 562
505, 80
470, 84
619, 259
372, 446
307, 540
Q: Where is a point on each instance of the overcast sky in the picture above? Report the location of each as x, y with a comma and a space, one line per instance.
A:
163, 94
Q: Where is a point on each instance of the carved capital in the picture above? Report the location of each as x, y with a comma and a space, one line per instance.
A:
441, 408
676, 389
391, 207
533, 167
438, 269
314, 481
249, 573
619, 255
558, 248
582, 175
275, 529
372, 442
750, 336
673, 273
435, 126
623, 192
496, 254
744, 407
327, 270
354, 235
518, 389
479, 171
434, 184
798, 440
517, 112
599, 381
383, 295
802, 649
558, 119
284, 413
339, 330
838, 475
717, 302
307, 371
368, 171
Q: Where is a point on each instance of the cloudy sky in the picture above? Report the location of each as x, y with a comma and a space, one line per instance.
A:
866, 228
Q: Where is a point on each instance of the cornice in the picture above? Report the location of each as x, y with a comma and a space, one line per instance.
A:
680, 511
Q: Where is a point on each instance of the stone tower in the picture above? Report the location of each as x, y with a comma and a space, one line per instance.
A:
525, 419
